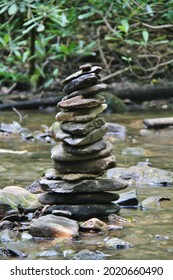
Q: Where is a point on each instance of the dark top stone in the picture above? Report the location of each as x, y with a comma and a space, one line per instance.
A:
77, 198
83, 69
88, 91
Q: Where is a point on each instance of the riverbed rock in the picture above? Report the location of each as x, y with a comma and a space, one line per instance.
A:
12, 196
142, 175
86, 211
81, 129
94, 224
88, 255
77, 198
54, 226
98, 185
80, 115
128, 199
156, 202
116, 243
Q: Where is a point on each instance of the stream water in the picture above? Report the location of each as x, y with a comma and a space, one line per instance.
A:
151, 233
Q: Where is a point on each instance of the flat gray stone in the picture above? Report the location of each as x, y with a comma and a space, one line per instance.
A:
88, 91
81, 129
89, 138
81, 82
51, 198
82, 71
95, 185
54, 226
80, 102
87, 149
55, 175
93, 166
79, 212
59, 154
80, 115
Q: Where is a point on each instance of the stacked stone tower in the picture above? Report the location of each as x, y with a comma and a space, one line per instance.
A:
77, 183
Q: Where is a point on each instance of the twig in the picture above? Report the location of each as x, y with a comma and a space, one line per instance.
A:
115, 74
19, 114
157, 26
101, 51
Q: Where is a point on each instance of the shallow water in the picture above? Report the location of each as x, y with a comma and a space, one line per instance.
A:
23, 169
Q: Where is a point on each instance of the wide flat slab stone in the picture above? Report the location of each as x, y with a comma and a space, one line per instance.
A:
51, 198
86, 149
79, 212
81, 129
59, 154
95, 185
54, 226
88, 91
80, 102
55, 175
89, 138
81, 82
88, 166
81, 115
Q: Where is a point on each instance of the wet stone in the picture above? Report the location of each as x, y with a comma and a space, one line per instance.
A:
59, 154
81, 82
88, 166
96, 185
86, 211
80, 102
53, 174
86, 149
89, 138
54, 226
77, 198
80, 129
88, 91
81, 115
83, 69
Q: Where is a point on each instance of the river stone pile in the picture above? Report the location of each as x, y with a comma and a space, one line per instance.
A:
76, 183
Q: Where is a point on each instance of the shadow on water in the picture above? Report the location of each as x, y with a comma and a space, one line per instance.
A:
150, 234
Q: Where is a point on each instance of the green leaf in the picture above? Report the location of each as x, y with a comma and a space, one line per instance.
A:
145, 35
6, 38
12, 10
32, 20
29, 28
4, 9
125, 24
149, 10
86, 15
25, 56
40, 28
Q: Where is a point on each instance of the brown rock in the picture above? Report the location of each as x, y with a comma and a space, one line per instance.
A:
80, 102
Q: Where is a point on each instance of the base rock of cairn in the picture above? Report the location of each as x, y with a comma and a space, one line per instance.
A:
76, 182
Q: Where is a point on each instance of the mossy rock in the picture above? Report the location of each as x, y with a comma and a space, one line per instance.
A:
12, 196
115, 104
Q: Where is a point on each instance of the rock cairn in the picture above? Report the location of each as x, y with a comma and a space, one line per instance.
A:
76, 183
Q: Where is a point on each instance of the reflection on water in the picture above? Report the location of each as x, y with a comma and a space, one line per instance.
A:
151, 235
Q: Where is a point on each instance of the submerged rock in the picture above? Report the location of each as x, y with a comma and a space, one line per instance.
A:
116, 243
54, 226
156, 202
94, 224
88, 255
142, 175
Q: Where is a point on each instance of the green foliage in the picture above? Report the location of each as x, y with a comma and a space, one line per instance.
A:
38, 37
